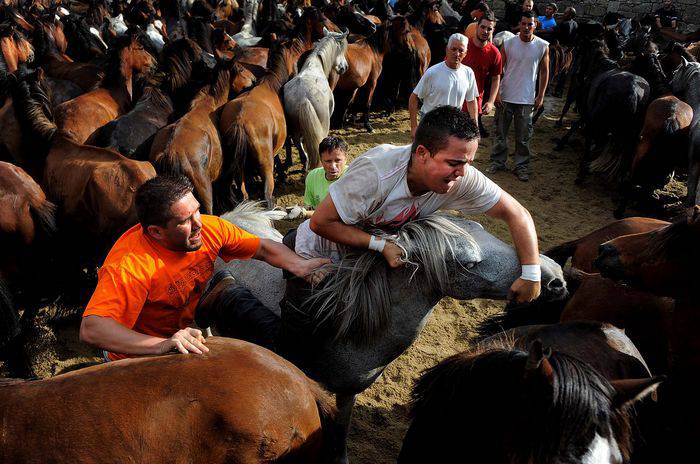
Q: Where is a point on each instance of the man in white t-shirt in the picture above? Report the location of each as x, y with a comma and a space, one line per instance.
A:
391, 185
447, 83
525, 59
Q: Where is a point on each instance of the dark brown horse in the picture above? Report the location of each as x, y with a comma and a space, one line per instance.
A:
253, 126
665, 262
509, 405
238, 403
584, 250
83, 115
26, 217
191, 145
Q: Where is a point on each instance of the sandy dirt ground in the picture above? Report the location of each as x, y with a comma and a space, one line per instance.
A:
561, 210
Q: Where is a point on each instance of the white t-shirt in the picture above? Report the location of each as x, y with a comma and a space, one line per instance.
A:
520, 73
442, 85
373, 194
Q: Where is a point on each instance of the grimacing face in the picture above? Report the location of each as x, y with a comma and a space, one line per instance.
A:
183, 232
444, 168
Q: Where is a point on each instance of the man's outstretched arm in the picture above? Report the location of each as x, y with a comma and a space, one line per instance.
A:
327, 223
278, 255
522, 230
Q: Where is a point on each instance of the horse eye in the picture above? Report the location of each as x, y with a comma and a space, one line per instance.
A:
471, 265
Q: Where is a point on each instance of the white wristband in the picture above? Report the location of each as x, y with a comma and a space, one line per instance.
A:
376, 243
531, 272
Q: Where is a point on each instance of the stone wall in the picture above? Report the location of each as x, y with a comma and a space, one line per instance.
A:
689, 10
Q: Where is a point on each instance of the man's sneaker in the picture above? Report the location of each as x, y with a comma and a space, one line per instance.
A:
522, 175
494, 168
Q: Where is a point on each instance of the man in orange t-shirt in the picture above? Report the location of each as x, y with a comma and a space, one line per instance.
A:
152, 279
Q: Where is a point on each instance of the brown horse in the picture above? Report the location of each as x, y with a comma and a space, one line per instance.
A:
356, 86
83, 115
16, 50
509, 405
237, 403
665, 262
584, 250
51, 44
253, 126
191, 146
94, 188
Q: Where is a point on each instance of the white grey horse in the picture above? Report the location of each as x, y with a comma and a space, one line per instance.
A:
686, 86
375, 313
308, 98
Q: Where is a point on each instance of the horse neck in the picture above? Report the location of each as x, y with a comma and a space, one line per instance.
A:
278, 73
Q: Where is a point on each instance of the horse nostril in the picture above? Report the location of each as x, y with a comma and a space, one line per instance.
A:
607, 250
556, 284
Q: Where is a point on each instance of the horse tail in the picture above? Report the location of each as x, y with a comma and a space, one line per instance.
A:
561, 253
44, 217
327, 412
9, 318
610, 163
311, 130
237, 153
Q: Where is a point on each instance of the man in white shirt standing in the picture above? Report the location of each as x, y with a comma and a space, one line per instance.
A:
525, 58
447, 83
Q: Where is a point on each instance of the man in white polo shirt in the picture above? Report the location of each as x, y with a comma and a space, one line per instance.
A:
447, 83
525, 58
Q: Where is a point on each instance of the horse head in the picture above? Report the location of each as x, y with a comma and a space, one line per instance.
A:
340, 63
482, 266
663, 261
16, 49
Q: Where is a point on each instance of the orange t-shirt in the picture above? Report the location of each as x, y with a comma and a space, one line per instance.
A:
153, 290
470, 31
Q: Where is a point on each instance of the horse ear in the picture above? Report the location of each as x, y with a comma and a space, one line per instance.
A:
537, 361
629, 391
325, 31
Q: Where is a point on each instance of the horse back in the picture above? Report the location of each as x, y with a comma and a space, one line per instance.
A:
239, 402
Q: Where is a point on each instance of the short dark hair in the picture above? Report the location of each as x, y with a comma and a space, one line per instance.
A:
553, 6
331, 143
155, 197
488, 16
527, 14
441, 123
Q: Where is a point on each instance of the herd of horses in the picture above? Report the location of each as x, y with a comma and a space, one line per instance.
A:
98, 97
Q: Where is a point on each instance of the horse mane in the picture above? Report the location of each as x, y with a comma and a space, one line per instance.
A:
155, 96
253, 212
489, 382
44, 217
325, 51
356, 299
277, 74
178, 62
32, 108
673, 240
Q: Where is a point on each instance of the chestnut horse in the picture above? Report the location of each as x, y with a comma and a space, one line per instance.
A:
253, 126
509, 405
665, 262
355, 87
80, 117
15, 50
191, 146
238, 403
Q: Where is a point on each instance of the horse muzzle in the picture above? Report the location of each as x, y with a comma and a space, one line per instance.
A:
608, 262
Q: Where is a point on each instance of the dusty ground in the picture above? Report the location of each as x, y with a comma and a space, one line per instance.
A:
561, 211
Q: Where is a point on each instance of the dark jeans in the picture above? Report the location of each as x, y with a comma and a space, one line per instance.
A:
521, 116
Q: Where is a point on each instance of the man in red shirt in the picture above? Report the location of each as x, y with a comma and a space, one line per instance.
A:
485, 60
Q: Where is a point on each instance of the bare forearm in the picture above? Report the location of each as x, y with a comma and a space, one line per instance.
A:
524, 234
495, 86
278, 255
108, 334
544, 79
339, 232
473, 109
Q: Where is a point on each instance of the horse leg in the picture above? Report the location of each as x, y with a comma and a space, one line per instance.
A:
345, 404
302, 153
588, 156
369, 90
561, 143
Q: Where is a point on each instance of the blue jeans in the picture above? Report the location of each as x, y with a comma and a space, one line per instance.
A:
521, 115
